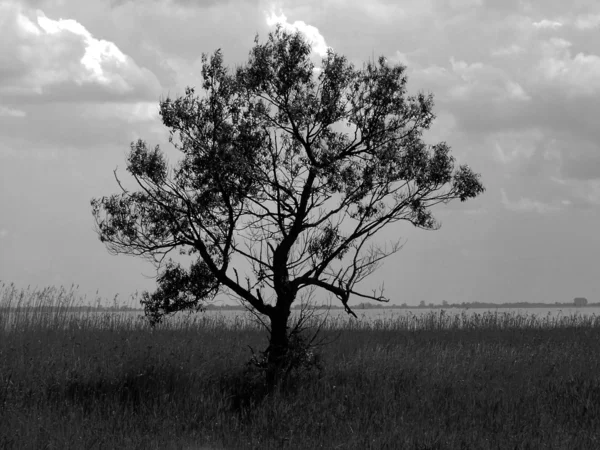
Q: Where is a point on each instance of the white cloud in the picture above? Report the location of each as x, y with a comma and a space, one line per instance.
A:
3, 233
311, 33
547, 24
61, 60
479, 80
27, 26
516, 92
578, 75
99, 55
556, 45
468, 72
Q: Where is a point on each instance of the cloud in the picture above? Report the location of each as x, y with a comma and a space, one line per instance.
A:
83, 127
577, 75
10, 112
581, 193
381, 12
587, 193
581, 162
3, 233
311, 33
547, 24
63, 88
525, 204
43, 59
516, 91
460, 4
515, 147
513, 99
548, 170
588, 21
524, 98
475, 211
99, 55
513, 49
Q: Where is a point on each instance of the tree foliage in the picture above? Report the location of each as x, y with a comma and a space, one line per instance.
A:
285, 168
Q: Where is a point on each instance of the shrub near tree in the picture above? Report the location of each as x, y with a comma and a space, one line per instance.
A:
287, 170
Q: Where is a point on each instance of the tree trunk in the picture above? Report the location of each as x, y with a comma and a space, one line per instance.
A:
278, 345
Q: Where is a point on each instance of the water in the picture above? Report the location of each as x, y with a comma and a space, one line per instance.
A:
388, 314
233, 317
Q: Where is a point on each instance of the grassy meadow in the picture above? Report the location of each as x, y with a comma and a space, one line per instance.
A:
81, 380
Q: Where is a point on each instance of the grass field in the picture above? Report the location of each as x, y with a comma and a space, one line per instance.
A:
492, 381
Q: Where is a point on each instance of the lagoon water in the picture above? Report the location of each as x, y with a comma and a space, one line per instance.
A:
336, 317
388, 314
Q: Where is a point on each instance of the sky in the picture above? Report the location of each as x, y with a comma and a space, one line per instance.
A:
517, 96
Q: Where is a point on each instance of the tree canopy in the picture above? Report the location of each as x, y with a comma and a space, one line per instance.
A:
287, 169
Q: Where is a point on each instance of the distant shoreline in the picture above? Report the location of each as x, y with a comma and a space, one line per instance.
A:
360, 307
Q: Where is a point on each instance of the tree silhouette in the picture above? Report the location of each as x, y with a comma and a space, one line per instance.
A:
286, 170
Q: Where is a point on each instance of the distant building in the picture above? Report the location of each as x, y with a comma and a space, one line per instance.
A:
580, 301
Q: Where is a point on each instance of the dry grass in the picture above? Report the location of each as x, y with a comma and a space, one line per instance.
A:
81, 380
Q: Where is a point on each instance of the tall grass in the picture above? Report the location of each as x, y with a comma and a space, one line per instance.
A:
77, 379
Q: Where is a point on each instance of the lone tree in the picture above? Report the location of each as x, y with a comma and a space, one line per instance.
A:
286, 174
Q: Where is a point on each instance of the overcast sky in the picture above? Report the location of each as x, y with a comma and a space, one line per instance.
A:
517, 92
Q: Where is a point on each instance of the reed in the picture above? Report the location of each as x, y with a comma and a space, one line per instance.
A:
74, 378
